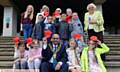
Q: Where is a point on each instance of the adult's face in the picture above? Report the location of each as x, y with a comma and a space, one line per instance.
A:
55, 39
91, 9
29, 9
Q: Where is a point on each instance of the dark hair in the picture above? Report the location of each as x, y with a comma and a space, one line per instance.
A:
20, 44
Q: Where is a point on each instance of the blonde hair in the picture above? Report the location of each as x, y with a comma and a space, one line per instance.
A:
45, 7
26, 12
74, 41
91, 4
59, 9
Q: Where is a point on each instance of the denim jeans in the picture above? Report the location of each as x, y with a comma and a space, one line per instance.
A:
35, 64
21, 65
27, 30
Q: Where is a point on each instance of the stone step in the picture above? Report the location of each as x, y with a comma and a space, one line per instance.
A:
113, 45
6, 43
6, 58
111, 69
113, 57
11, 42
112, 64
1, 41
6, 46
112, 42
6, 64
113, 53
111, 39
114, 48
6, 53
6, 49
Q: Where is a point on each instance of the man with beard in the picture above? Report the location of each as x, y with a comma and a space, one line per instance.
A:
54, 56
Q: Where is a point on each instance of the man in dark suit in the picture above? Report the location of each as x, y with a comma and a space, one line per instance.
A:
54, 56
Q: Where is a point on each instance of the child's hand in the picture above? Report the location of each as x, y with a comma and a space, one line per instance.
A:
28, 46
98, 42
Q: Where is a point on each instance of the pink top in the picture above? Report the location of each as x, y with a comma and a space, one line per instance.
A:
35, 52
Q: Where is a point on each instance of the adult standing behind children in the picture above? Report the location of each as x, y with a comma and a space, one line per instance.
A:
26, 21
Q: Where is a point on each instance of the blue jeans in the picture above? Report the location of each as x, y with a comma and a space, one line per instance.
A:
27, 30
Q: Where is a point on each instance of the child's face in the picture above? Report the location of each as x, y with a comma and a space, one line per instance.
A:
45, 40
50, 19
75, 16
92, 44
40, 17
72, 43
63, 17
69, 12
21, 47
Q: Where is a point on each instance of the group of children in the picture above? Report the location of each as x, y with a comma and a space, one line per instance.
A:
84, 58
81, 57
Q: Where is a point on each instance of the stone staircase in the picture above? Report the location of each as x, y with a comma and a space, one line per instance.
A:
113, 57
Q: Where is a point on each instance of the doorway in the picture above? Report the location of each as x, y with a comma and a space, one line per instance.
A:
111, 13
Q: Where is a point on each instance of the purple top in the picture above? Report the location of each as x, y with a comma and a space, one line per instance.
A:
35, 52
25, 20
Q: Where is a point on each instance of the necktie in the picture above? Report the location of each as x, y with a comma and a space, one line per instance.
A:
54, 57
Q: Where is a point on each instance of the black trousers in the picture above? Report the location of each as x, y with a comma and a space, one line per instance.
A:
48, 67
98, 34
100, 37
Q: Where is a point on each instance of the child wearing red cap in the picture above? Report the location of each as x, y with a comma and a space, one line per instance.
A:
73, 56
91, 56
81, 44
34, 57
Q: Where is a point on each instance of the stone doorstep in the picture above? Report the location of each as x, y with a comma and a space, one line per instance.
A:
113, 69
17, 70
6, 53
113, 53
112, 63
6, 49
6, 58
6, 63
112, 58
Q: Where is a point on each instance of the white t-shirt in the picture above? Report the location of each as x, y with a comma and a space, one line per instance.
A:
90, 26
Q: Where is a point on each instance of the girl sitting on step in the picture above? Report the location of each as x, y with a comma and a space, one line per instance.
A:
73, 56
20, 56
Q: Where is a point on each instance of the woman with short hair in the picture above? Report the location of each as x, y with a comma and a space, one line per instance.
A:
94, 22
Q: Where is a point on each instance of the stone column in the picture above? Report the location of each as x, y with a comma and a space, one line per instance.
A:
99, 7
9, 21
99, 4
